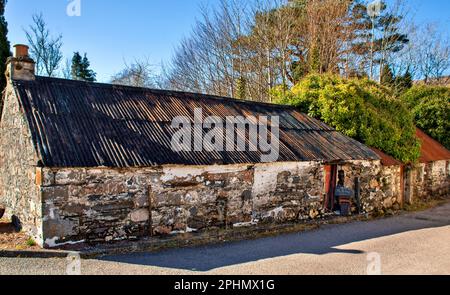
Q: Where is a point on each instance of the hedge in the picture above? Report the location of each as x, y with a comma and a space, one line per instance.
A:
430, 106
361, 109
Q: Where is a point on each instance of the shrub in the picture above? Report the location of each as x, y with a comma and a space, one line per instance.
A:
360, 109
430, 106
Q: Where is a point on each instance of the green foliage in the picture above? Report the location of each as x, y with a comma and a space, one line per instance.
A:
4, 45
31, 242
399, 84
81, 70
430, 106
403, 83
360, 109
314, 62
242, 88
387, 77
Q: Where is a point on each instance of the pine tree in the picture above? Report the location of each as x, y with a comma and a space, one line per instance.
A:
76, 66
387, 77
404, 83
385, 30
4, 44
81, 70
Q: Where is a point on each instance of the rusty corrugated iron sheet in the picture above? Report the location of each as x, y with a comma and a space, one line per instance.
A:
80, 124
431, 150
387, 160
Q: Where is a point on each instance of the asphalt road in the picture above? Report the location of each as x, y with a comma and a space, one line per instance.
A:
415, 243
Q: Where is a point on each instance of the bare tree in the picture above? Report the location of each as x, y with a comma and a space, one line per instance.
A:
66, 70
241, 49
45, 49
140, 73
432, 54
209, 60
327, 33
246, 48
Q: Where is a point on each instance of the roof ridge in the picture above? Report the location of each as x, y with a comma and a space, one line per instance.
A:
169, 92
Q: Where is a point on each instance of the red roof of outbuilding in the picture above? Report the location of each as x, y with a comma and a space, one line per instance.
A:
386, 160
431, 149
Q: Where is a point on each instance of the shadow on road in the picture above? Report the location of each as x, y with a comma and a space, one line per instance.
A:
328, 239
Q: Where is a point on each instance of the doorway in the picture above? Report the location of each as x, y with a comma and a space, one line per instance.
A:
331, 172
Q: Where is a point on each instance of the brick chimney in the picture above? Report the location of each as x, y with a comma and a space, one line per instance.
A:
20, 66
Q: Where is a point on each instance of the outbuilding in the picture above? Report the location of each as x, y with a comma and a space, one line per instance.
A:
90, 162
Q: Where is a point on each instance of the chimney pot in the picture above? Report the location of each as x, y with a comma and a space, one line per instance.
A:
20, 51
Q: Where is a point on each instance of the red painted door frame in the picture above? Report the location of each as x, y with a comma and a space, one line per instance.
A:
331, 172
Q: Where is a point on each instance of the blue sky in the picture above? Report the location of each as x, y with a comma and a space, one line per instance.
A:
112, 31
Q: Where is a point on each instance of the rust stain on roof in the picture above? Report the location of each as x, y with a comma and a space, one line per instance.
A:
81, 124
431, 150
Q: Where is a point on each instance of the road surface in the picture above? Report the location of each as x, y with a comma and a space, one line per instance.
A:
414, 243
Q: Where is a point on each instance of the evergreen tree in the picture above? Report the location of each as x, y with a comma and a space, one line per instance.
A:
384, 30
87, 73
404, 83
407, 80
399, 83
4, 44
81, 70
387, 77
76, 66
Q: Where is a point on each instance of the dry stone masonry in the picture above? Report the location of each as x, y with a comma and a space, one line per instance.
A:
18, 191
103, 205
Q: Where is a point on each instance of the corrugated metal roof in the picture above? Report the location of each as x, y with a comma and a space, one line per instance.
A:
431, 149
80, 124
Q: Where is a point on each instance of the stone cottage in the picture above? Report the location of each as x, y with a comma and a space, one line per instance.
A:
89, 162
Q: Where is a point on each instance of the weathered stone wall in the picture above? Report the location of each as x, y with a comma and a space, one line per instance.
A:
380, 185
18, 159
288, 191
92, 205
95, 205
106, 204
391, 184
102, 205
198, 198
430, 180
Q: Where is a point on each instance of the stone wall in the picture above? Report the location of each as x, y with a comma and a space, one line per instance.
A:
430, 180
98, 205
288, 191
18, 191
380, 185
95, 205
